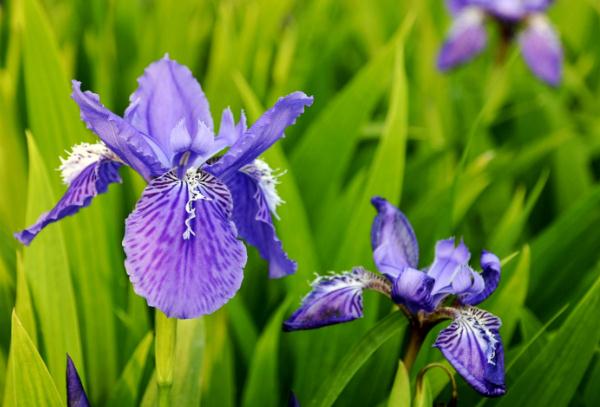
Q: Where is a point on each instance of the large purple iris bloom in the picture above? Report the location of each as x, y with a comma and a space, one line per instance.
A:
181, 240
539, 42
471, 343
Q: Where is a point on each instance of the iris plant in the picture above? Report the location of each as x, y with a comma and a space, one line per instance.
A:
181, 240
539, 42
448, 289
76, 396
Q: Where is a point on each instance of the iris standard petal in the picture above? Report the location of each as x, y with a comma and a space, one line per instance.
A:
490, 278
449, 259
254, 222
76, 396
229, 132
131, 146
263, 134
335, 299
508, 10
182, 251
466, 39
167, 93
456, 6
537, 5
472, 344
412, 288
542, 50
393, 240
88, 171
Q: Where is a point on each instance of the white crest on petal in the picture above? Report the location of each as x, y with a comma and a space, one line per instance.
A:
193, 179
267, 182
81, 156
481, 322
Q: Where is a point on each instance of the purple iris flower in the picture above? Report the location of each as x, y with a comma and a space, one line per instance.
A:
76, 396
448, 289
181, 240
539, 42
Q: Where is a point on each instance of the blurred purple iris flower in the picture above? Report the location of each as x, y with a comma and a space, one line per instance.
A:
76, 396
539, 42
181, 240
448, 289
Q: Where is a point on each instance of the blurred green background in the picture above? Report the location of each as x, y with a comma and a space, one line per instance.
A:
486, 152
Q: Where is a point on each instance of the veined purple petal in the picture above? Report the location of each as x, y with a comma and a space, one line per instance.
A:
76, 396
412, 288
335, 299
393, 239
472, 344
490, 264
131, 146
88, 171
449, 262
167, 93
182, 251
263, 134
254, 222
542, 50
466, 39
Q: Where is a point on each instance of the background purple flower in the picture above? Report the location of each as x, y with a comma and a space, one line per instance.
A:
539, 42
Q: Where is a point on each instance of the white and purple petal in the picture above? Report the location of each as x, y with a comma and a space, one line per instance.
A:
393, 240
490, 278
472, 344
167, 93
263, 134
130, 145
76, 396
182, 250
88, 171
412, 288
542, 50
467, 38
253, 218
335, 299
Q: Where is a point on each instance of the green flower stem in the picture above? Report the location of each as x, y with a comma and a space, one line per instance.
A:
165, 335
417, 336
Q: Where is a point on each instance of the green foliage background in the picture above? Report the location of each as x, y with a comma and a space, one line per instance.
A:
486, 152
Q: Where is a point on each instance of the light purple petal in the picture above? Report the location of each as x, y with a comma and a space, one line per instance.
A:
450, 260
90, 180
229, 132
466, 39
537, 5
508, 10
472, 344
167, 93
393, 239
255, 224
542, 50
76, 396
124, 140
456, 6
335, 299
262, 135
413, 289
490, 264
182, 251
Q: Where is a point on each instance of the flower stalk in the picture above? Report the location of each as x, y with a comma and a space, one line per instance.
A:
165, 336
